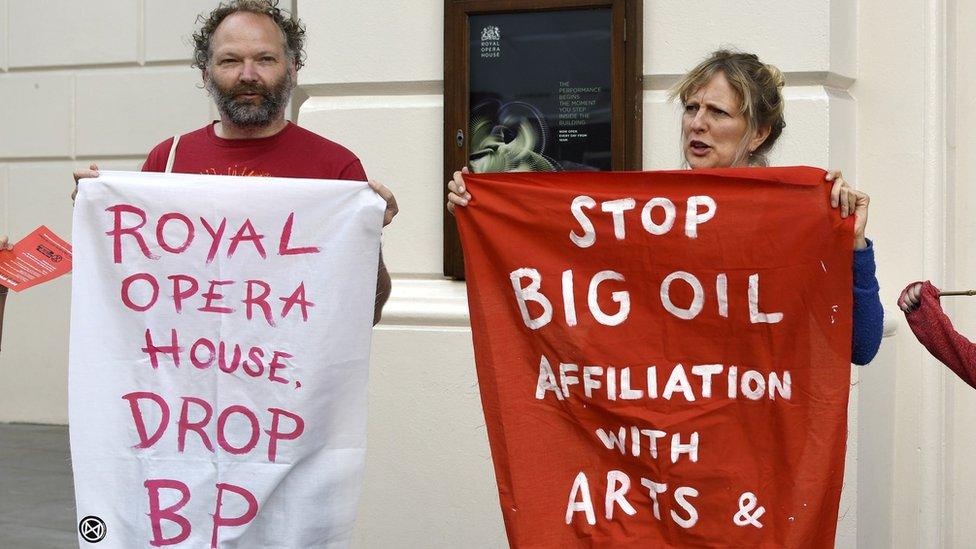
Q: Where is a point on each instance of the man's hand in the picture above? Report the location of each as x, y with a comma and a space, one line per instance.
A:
385, 194
4, 243
91, 172
383, 282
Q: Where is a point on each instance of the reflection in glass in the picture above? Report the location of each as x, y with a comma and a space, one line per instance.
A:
508, 137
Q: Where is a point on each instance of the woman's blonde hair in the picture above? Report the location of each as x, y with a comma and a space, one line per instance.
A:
760, 90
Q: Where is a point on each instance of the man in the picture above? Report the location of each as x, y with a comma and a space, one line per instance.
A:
249, 53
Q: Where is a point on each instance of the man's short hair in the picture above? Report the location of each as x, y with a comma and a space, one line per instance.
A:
292, 29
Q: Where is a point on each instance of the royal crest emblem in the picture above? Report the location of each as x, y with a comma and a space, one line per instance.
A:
490, 32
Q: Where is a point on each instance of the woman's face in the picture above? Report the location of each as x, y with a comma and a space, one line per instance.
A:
712, 128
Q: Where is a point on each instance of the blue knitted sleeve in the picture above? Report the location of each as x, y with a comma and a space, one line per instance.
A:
868, 312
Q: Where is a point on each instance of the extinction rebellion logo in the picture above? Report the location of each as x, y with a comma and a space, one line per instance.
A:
49, 253
92, 529
491, 42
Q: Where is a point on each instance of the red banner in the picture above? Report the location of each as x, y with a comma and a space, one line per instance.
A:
664, 357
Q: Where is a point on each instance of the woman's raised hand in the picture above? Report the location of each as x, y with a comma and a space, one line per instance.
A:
850, 201
458, 195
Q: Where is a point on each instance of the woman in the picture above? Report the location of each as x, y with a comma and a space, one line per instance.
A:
733, 115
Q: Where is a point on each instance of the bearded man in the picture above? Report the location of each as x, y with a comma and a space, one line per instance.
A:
249, 53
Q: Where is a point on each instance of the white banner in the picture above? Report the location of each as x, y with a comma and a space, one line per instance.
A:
220, 336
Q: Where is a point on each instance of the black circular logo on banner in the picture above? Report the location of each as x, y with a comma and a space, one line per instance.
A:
92, 529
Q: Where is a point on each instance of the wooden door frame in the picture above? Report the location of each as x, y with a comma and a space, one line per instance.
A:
626, 95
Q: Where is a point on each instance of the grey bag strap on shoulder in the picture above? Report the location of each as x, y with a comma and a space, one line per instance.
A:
172, 154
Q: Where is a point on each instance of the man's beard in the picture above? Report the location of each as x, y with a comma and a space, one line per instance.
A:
245, 114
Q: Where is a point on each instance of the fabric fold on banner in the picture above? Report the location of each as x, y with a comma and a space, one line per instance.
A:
219, 351
663, 357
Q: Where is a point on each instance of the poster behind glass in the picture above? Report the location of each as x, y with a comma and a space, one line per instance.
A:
540, 91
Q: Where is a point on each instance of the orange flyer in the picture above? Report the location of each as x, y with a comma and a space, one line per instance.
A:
41, 256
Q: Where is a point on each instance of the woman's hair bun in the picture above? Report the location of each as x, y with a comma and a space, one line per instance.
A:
776, 75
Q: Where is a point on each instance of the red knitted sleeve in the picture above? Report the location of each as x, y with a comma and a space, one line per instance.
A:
934, 330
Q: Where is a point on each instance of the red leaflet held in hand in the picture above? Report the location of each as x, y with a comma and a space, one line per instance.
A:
38, 258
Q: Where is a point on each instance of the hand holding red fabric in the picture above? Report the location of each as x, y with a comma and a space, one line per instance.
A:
934, 330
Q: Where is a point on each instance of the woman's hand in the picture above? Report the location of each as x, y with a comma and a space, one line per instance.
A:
457, 196
911, 297
850, 201
4, 243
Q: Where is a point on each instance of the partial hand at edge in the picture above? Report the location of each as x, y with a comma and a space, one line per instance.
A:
91, 172
386, 194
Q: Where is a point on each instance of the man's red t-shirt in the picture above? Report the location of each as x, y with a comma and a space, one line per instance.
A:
292, 152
